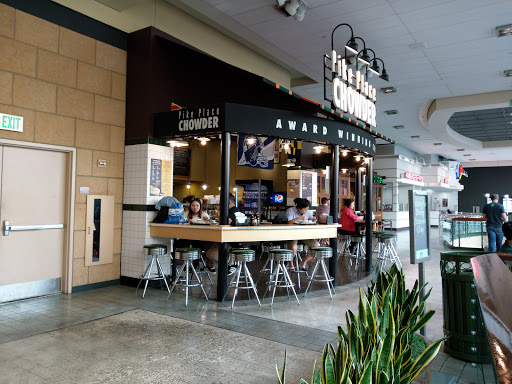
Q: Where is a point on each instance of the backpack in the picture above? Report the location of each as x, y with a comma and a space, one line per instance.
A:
280, 219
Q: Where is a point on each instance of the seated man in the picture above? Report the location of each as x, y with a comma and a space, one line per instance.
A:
301, 212
507, 245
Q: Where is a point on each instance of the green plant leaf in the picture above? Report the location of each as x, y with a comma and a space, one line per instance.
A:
386, 353
318, 377
302, 381
328, 369
383, 378
423, 320
426, 357
366, 378
282, 377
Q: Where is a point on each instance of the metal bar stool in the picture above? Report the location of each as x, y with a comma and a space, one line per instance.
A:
344, 250
268, 267
154, 250
387, 251
241, 258
321, 253
187, 255
297, 260
265, 247
280, 277
359, 251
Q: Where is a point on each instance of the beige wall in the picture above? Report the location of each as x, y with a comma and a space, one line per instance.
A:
167, 18
70, 90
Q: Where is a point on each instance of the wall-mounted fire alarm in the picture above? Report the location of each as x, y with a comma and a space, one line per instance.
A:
102, 163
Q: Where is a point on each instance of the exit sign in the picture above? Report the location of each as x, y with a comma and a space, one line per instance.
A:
377, 179
11, 123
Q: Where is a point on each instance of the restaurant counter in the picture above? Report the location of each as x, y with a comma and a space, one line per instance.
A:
231, 234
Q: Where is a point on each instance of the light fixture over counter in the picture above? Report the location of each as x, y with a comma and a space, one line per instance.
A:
295, 8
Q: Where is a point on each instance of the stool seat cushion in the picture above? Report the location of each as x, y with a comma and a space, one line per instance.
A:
188, 250
321, 248
153, 246
388, 236
280, 250
242, 251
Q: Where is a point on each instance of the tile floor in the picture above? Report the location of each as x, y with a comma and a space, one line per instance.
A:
35, 322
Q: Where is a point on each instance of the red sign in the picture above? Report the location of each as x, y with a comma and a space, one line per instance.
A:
445, 180
412, 176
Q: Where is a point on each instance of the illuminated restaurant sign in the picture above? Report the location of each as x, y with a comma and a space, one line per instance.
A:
412, 176
259, 121
351, 92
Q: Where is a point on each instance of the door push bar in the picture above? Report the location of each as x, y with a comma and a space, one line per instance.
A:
8, 227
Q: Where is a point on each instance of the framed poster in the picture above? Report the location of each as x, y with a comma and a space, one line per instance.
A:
445, 203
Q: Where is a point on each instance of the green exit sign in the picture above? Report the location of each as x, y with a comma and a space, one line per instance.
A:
11, 123
377, 179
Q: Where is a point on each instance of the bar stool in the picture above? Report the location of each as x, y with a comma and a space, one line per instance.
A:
268, 267
297, 260
359, 252
241, 258
280, 257
344, 250
321, 253
187, 255
154, 250
265, 247
387, 251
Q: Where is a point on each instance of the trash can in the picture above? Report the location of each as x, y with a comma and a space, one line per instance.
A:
463, 322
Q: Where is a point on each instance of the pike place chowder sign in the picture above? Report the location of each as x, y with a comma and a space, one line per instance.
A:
351, 92
251, 120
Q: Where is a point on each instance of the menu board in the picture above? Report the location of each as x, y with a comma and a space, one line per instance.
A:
181, 165
307, 186
160, 178
419, 227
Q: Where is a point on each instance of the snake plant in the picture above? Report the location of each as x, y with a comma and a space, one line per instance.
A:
375, 347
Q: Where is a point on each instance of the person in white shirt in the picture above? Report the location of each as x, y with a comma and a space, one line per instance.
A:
301, 212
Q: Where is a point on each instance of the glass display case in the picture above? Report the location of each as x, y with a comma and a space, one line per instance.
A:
463, 231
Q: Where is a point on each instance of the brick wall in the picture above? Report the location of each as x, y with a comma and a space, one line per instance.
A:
70, 90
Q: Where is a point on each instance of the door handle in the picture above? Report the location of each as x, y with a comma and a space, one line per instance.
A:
8, 227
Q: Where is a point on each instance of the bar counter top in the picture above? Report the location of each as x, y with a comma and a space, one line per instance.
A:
230, 234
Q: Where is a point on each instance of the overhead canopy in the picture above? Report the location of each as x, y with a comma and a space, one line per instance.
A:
247, 119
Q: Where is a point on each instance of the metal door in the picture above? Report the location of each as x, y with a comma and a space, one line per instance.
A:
33, 200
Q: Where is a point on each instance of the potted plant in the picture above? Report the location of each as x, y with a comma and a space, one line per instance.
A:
376, 346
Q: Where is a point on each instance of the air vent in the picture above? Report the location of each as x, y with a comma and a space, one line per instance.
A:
472, 159
399, 126
508, 73
391, 112
460, 150
388, 89
467, 154
438, 143
415, 137
417, 45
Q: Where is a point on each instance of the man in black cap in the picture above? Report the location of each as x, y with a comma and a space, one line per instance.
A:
495, 216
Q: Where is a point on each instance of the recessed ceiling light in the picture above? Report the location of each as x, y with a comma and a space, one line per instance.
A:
415, 137
438, 143
467, 154
504, 30
460, 149
388, 89
391, 112
508, 73
399, 126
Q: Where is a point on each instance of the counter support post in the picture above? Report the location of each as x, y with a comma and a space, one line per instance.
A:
369, 215
222, 277
359, 190
335, 166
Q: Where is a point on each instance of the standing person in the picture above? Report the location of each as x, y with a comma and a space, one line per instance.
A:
324, 208
301, 212
348, 218
495, 216
232, 209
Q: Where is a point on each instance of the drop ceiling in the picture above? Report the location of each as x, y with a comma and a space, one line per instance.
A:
432, 49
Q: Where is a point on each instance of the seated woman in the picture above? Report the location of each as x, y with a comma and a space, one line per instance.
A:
507, 245
196, 214
301, 212
348, 218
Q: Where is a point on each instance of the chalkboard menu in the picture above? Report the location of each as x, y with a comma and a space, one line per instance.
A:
181, 165
419, 226
307, 186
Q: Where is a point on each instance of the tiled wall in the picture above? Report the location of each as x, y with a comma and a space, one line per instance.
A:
70, 90
135, 223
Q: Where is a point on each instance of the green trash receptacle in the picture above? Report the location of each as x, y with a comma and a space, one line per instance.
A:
463, 322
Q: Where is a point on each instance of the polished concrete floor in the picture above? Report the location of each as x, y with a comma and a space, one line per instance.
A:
112, 335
